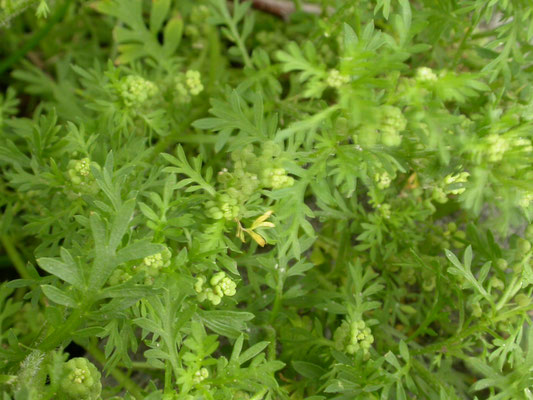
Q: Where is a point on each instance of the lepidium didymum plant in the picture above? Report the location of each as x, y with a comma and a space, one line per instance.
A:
266, 200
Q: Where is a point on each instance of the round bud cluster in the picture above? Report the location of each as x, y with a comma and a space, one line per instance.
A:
151, 266
118, 277
250, 173
496, 283
188, 84
80, 175
522, 144
496, 147
392, 123
79, 171
425, 75
382, 180
81, 380
200, 375
523, 246
225, 206
265, 167
276, 178
335, 79
454, 236
135, 90
522, 300
199, 14
352, 337
198, 27
219, 285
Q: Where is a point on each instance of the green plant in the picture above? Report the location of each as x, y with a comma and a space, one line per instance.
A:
203, 200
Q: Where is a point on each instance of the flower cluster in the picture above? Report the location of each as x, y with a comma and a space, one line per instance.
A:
383, 180
151, 266
81, 380
335, 79
250, 173
188, 84
392, 123
136, 91
425, 74
80, 175
352, 337
198, 27
276, 178
225, 206
496, 147
200, 375
220, 285
79, 171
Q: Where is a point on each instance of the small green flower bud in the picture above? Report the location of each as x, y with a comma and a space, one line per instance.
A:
501, 264
198, 286
81, 380
439, 195
192, 79
496, 283
212, 296
425, 75
523, 246
382, 180
392, 123
335, 79
522, 300
201, 375
118, 277
496, 147
135, 90
476, 310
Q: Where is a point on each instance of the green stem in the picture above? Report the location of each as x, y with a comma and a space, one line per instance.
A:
238, 40
15, 257
120, 376
35, 39
277, 301
271, 336
58, 336
259, 395
481, 326
173, 137
511, 290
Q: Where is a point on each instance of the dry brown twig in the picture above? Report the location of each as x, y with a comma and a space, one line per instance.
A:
284, 9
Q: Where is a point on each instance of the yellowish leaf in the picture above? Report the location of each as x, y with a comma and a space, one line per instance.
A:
257, 223
257, 237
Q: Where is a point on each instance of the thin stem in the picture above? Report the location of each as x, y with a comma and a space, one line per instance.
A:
277, 301
173, 137
259, 395
120, 376
15, 257
240, 45
35, 39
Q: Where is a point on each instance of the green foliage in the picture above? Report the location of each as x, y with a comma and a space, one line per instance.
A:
223, 200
